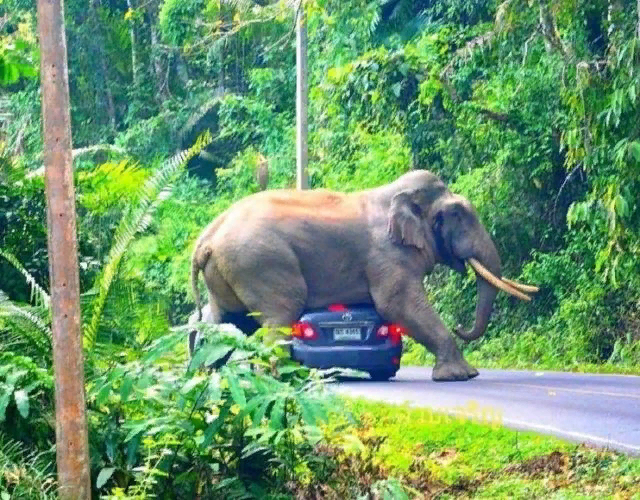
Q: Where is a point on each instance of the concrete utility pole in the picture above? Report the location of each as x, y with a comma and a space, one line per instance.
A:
72, 450
302, 90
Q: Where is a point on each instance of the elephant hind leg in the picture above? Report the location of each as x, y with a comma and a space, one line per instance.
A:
280, 308
277, 298
268, 281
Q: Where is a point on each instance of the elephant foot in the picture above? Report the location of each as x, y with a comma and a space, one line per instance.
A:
451, 371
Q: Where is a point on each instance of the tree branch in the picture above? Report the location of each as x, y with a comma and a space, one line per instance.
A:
465, 53
638, 25
78, 152
550, 33
566, 179
504, 118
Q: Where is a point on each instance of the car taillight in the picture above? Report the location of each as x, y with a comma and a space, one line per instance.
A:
393, 332
304, 331
337, 308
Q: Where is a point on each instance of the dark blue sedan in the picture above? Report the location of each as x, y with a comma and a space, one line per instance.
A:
353, 337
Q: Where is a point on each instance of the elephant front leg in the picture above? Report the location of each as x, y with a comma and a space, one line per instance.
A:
409, 308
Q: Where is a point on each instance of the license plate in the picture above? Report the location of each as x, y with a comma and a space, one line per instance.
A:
346, 333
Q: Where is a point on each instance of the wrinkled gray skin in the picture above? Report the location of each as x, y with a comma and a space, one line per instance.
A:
278, 252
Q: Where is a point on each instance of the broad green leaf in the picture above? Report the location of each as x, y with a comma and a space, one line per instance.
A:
259, 415
103, 394
14, 376
125, 388
396, 88
622, 207
136, 429
116, 373
250, 406
286, 369
5, 397
216, 353
191, 384
308, 415
215, 426
237, 392
634, 149
104, 476
111, 446
277, 412
132, 449
22, 402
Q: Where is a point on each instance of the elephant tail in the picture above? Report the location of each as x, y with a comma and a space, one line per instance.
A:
198, 261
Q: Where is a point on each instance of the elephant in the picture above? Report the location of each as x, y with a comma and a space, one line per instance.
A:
281, 251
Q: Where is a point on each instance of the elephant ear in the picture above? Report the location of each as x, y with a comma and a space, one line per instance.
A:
405, 226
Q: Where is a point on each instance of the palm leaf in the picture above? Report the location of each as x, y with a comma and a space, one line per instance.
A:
26, 473
34, 329
155, 190
38, 293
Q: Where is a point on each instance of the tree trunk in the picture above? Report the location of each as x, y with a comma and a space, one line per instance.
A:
100, 43
638, 14
552, 40
161, 77
135, 60
72, 445
182, 71
111, 109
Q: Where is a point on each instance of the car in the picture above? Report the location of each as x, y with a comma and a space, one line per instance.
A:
353, 336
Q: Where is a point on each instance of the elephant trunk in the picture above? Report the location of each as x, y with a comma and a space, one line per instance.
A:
490, 261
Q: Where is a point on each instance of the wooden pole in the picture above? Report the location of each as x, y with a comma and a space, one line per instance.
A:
72, 450
302, 90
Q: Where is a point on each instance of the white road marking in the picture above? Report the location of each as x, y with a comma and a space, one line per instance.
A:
578, 435
568, 389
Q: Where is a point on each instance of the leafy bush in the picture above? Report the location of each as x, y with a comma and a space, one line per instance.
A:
217, 433
26, 474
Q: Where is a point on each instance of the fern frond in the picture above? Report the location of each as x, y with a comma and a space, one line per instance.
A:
207, 111
375, 20
241, 5
154, 191
35, 329
38, 293
27, 474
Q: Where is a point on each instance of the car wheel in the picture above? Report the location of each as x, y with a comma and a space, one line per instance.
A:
381, 375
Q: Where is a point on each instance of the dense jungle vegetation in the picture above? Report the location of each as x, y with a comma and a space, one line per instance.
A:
527, 107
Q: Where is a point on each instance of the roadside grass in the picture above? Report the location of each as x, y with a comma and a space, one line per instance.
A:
439, 456
518, 359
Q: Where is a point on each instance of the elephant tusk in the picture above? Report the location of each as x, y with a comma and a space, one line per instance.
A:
498, 283
521, 287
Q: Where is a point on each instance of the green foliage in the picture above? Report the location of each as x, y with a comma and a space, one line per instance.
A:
180, 433
175, 20
153, 192
471, 454
25, 474
26, 397
22, 234
537, 127
367, 160
379, 85
19, 54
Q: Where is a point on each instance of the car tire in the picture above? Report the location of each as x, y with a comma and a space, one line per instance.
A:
381, 375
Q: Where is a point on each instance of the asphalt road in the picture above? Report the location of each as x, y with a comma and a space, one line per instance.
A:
602, 410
